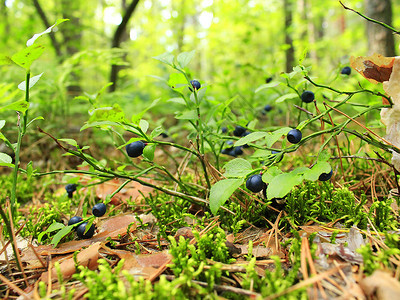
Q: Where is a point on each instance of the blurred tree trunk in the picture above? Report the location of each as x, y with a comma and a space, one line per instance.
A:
380, 39
289, 52
117, 39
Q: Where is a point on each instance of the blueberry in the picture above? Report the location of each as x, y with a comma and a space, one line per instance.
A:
74, 220
267, 107
195, 84
164, 135
307, 96
81, 231
325, 176
70, 188
224, 130
99, 209
294, 136
238, 150
268, 79
346, 71
239, 130
254, 183
229, 143
135, 149
225, 151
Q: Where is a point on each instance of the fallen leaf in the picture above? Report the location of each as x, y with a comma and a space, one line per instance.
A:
381, 284
87, 257
112, 227
376, 68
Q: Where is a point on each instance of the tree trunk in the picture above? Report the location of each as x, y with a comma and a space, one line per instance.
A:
118, 35
380, 39
289, 52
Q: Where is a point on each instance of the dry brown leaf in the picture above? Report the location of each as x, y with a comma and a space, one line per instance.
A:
132, 190
113, 227
87, 257
258, 251
381, 284
376, 68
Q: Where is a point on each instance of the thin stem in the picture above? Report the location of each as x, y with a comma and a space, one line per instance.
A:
370, 19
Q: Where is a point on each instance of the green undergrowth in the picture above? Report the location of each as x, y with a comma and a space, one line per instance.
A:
321, 203
191, 264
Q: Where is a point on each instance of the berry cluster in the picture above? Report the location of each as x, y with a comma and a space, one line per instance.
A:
98, 210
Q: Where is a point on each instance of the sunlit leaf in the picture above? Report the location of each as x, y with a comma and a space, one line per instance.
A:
184, 58
27, 56
48, 30
32, 82
237, 167
221, 191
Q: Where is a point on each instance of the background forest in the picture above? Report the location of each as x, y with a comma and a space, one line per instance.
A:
239, 44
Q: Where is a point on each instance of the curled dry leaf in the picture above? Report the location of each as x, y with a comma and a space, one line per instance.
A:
377, 68
87, 257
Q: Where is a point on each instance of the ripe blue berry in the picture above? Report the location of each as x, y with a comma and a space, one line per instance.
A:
195, 84
346, 71
224, 130
307, 96
70, 188
99, 209
325, 176
74, 220
294, 136
81, 231
254, 183
239, 130
268, 79
238, 150
135, 149
267, 107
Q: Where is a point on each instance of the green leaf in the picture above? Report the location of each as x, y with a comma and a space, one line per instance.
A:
29, 170
324, 155
267, 86
53, 227
286, 97
5, 158
271, 174
148, 151
27, 56
156, 132
221, 191
20, 105
100, 123
237, 168
32, 82
59, 235
177, 80
113, 114
274, 136
33, 120
71, 142
2, 123
187, 115
144, 125
319, 168
177, 100
282, 184
184, 58
254, 136
48, 30
166, 58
